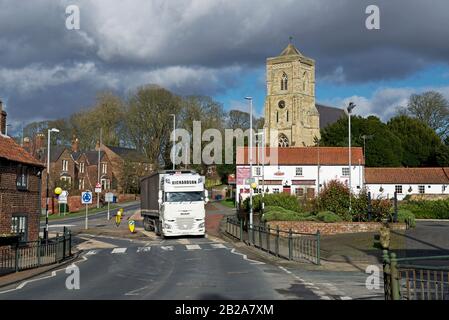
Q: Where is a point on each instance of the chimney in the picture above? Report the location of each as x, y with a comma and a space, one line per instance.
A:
75, 144
2, 119
27, 144
39, 142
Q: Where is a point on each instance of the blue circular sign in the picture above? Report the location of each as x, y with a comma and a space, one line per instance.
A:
87, 197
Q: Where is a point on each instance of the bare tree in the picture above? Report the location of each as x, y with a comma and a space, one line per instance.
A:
431, 108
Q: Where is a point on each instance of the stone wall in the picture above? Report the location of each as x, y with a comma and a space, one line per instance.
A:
332, 228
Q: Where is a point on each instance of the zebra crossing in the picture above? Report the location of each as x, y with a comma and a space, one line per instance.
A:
147, 249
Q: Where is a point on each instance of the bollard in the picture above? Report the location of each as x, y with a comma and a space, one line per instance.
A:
395, 290
290, 240
277, 241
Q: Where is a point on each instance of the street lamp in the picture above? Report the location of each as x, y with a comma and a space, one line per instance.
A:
174, 139
263, 165
48, 178
350, 107
250, 99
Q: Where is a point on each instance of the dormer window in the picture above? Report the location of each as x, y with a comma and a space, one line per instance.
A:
284, 81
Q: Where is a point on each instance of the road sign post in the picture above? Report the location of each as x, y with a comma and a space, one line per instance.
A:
86, 198
109, 197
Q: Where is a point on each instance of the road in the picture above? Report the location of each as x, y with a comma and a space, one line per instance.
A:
193, 268
78, 222
181, 268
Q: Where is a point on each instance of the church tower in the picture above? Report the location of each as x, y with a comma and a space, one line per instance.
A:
290, 103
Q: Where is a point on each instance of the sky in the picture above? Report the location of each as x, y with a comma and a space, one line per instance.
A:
217, 48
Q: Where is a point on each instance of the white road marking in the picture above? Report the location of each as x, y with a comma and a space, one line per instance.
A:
345, 298
135, 292
285, 270
91, 252
60, 225
143, 249
167, 248
325, 298
246, 258
53, 274
218, 245
119, 250
193, 247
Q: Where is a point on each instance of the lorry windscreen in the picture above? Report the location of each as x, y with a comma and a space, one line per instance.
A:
184, 196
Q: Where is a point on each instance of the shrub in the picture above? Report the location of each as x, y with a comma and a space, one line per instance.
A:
381, 209
274, 213
425, 209
283, 200
404, 215
334, 197
328, 216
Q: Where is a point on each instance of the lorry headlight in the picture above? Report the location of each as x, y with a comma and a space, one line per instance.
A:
167, 226
201, 225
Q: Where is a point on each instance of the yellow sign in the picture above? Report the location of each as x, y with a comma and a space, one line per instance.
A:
254, 185
58, 191
131, 225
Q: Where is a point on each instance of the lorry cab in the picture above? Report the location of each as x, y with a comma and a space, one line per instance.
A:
173, 203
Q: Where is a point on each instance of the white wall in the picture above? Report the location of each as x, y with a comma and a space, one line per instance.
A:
388, 190
326, 174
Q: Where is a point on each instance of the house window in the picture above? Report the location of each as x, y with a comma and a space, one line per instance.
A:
81, 184
22, 177
299, 171
421, 189
257, 171
19, 226
345, 172
277, 116
105, 184
287, 115
82, 167
398, 189
275, 190
104, 168
65, 165
299, 192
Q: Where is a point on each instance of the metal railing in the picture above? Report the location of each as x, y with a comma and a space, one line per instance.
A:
281, 243
34, 254
405, 280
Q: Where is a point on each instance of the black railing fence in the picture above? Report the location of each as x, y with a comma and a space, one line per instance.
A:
281, 243
33, 254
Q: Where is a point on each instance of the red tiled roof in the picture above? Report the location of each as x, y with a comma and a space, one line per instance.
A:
305, 155
407, 175
10, 150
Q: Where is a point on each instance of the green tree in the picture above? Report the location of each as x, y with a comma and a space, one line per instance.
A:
419, 141
382, 147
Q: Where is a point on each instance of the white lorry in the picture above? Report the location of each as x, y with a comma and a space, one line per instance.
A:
173, 203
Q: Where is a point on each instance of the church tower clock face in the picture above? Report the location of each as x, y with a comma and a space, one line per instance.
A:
291, 116
281, 104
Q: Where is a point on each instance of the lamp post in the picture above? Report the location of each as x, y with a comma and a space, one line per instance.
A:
250, 99
99, 166
174, 140
350, 107
262, 143
48, 178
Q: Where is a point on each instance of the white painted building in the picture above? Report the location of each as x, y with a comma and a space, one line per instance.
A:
384, 182
300, 171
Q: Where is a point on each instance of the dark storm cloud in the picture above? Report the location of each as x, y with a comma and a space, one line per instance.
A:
202, 46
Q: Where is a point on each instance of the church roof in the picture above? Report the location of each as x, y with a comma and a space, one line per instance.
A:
290, 50
329, 115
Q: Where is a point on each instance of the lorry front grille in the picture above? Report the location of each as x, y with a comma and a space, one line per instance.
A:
184, 223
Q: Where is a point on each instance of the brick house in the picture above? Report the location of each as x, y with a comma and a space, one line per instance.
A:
127, 165
20, 188
89, 162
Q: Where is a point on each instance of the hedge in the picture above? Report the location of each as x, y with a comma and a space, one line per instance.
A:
283, 200
275, 213
422, 209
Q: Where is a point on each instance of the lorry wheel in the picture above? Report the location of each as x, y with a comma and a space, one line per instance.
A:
147, 224
157, 227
